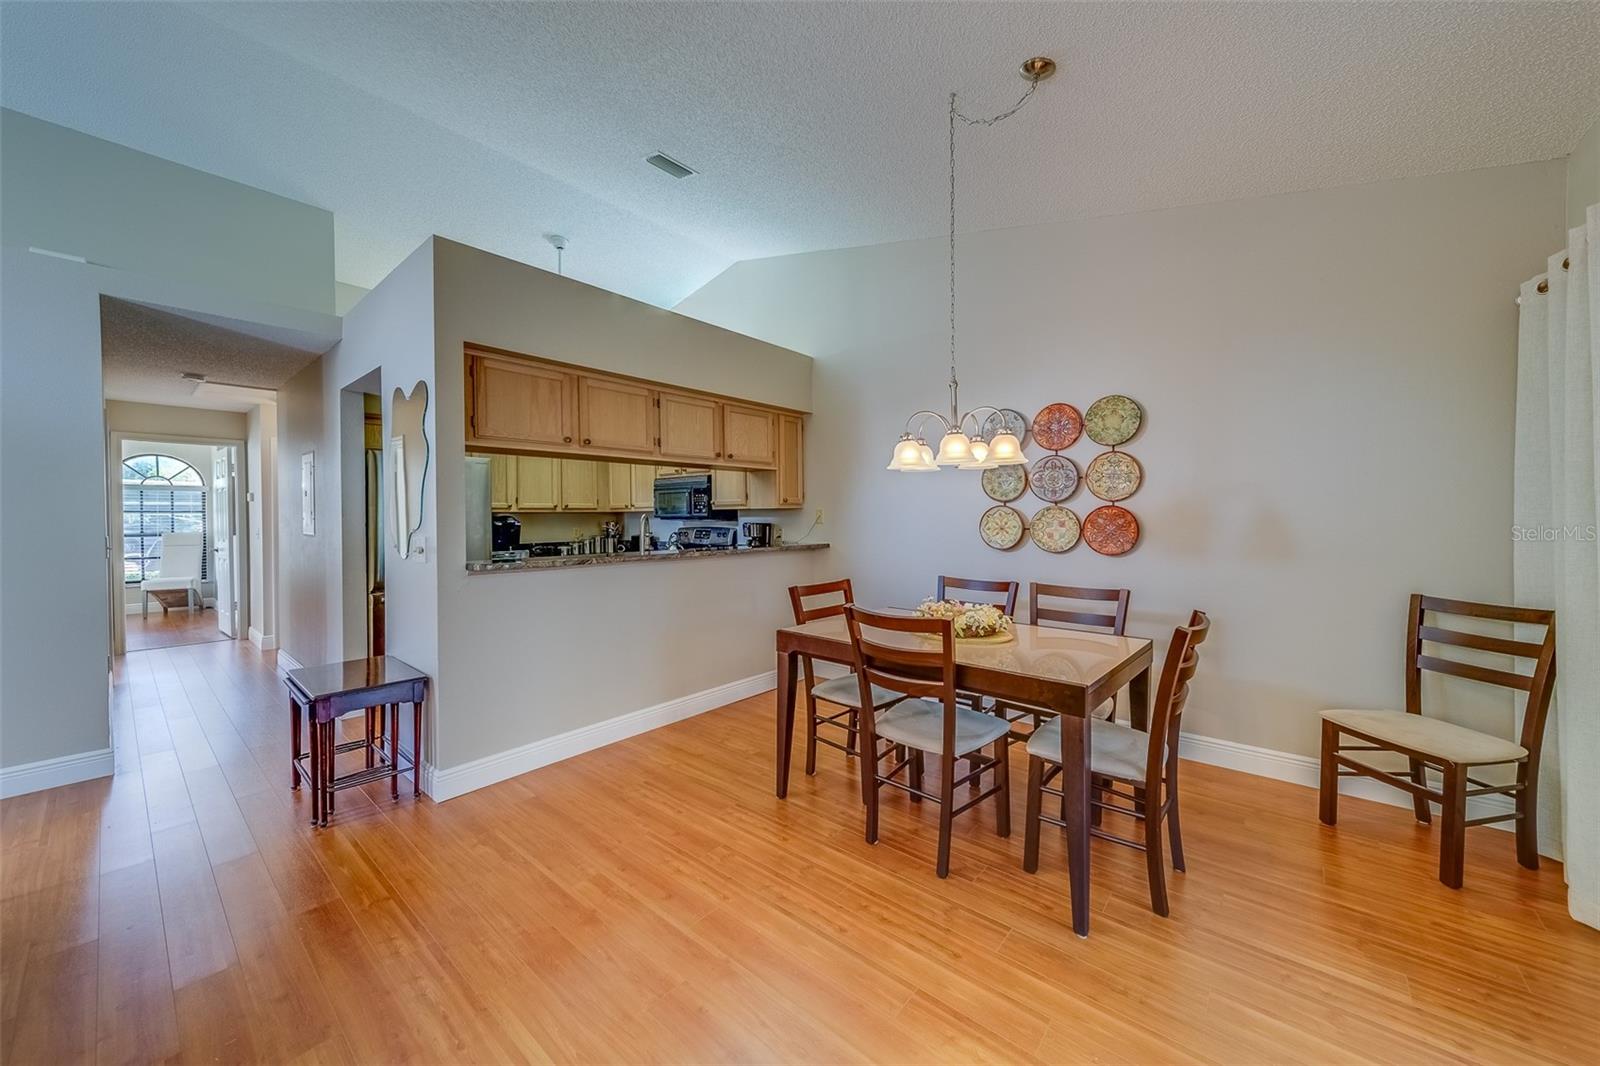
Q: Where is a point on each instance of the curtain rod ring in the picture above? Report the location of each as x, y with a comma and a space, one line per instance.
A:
1543, 286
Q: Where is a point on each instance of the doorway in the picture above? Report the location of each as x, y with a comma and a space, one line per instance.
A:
175, 507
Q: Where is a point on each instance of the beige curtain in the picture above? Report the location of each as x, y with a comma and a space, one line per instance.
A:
1556, 544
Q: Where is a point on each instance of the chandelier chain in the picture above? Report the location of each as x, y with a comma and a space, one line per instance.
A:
955, 113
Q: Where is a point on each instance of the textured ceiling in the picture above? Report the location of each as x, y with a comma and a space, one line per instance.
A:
146, 351
813, 125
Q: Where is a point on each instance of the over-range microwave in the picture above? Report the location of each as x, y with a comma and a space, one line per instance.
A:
688, 496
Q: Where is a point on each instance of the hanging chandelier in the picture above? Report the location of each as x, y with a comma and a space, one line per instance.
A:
978, 450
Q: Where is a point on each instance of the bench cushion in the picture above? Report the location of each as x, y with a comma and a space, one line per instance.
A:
1431, 736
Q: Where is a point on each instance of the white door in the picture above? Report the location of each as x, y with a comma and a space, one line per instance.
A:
222, 534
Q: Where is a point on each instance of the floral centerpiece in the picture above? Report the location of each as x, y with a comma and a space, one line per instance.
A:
968, 619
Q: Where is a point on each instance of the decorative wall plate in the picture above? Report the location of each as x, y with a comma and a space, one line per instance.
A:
1110, 530
1057, 426
1001, 527
1005, 483
1054, 478
1113, 476
1009, 421
1055, 529
1112, 420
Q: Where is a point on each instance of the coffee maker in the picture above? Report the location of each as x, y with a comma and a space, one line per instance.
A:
757, 534
506, 531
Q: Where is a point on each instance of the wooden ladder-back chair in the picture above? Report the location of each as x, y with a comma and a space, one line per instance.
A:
843, 692
1007, 589
1146, 762
1452, 750
916, 656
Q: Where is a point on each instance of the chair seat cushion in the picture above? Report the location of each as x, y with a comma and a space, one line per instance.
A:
846, 692
163, 584
1114, 750
1430, 736
920, 724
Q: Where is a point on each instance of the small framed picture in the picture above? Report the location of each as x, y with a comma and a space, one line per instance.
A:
308, 493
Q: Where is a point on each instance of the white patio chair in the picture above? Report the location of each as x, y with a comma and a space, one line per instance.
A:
180, 571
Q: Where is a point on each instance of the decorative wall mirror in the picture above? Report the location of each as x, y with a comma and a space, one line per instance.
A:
408, 458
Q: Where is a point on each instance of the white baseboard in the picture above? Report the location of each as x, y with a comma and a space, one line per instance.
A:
264, 641
449, 782
51, 773
1306, 770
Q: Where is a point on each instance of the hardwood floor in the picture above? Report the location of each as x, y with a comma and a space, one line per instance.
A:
652, 901
172, 629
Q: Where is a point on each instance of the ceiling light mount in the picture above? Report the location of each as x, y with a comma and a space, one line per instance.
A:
1038, 68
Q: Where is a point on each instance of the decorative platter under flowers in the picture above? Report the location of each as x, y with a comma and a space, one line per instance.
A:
976, 623
1005, 483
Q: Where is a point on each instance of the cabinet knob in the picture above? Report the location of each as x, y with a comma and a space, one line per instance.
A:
568, 440
719, 455
586, 440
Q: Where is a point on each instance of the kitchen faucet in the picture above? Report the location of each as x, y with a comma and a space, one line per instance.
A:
644, 533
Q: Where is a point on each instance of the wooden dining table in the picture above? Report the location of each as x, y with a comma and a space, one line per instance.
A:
1061, 671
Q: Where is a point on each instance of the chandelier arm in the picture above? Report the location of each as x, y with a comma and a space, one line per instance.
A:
973, 414
944, 422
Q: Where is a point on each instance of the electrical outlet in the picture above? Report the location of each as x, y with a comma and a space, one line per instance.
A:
819, 516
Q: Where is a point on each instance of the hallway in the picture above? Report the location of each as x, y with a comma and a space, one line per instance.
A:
171, 629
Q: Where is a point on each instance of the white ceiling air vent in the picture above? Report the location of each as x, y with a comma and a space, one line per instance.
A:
668, 164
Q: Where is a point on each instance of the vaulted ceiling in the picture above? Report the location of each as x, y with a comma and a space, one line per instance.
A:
812, 125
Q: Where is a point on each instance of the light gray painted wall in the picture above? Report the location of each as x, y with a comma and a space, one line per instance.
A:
391, 332
1328, 380
54, 591
121, 208
1583, 176
525, 657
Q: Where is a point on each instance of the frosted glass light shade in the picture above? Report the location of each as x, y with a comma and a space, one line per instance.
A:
912, 455
982, 457
954, 448
1006, 450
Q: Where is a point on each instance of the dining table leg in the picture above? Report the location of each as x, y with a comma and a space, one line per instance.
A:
1139, 700
1075, 791
788, 663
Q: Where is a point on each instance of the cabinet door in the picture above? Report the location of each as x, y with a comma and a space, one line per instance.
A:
791, 461
616, 486
689, 427
579, 485
643, 496
749, 435
729, 488
502, 482
536, 483
518, 402
616, 416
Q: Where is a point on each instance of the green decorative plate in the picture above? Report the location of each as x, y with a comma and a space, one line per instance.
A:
1112, 420
1001, 527
1055, 529
1005, 483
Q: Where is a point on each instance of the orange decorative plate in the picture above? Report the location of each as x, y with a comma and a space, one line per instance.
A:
1001, 527
1057, 426
1055, 529
1113, 476
1111, 530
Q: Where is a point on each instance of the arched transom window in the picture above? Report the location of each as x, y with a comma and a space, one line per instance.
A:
160, 494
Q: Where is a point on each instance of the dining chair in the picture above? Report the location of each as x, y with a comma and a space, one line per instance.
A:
1453, 750
1111, 619
1008, 602
1145, 761
843, 692
916, 656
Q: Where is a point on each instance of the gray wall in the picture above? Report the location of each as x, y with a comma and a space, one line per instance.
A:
1583, 176
117, 207
1328, 380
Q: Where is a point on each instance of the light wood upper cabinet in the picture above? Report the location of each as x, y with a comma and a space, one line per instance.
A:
786, 485
644, 488
616, 416
535, 484
690, 427
730, 488
749, 435
502, 482
518, 402
627, 487
579, 485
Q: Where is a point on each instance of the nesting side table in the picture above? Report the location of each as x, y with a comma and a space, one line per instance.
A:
318, 695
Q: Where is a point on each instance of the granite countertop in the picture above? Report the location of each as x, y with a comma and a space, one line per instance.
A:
560, 562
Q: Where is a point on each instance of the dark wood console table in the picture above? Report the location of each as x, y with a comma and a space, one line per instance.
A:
320, 694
